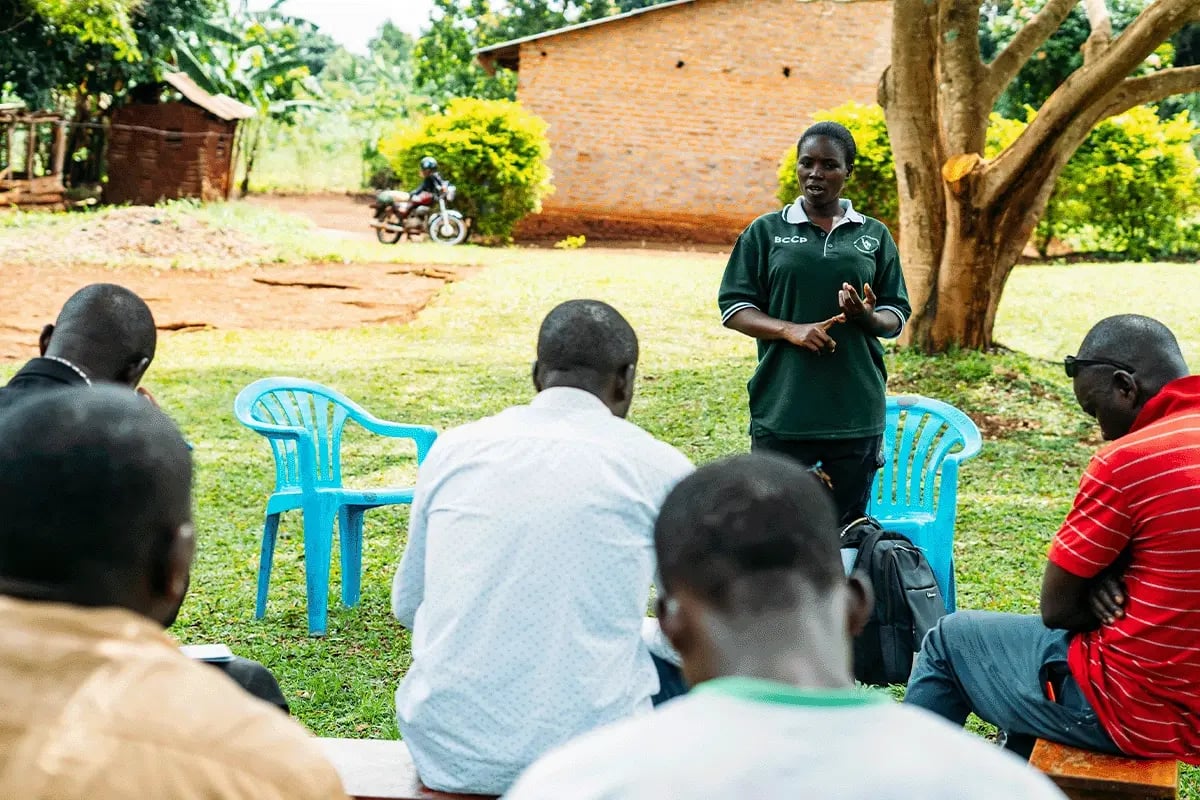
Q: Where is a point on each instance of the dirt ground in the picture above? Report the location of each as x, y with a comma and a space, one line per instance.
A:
344, 216
282, 297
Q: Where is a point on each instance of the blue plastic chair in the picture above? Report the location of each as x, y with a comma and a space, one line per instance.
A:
303, 422
916, 490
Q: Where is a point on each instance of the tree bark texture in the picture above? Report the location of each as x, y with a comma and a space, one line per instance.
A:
964, 220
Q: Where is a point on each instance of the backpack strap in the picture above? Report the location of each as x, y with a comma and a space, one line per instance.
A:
857, 531
866, 549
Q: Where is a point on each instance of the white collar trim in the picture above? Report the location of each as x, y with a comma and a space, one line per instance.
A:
794, 212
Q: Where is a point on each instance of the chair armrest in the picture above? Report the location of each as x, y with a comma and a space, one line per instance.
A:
422, 435
273, 431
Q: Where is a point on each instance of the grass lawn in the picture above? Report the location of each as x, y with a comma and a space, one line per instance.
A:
469, 355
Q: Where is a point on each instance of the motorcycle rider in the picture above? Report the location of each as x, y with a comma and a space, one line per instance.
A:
432, 184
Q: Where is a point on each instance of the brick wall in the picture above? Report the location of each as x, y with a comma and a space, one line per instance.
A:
670, 124
190, 155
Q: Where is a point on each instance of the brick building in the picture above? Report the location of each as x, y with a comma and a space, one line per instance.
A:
669, 121
164, 151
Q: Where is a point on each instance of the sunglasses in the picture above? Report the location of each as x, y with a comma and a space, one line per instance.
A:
1072, 364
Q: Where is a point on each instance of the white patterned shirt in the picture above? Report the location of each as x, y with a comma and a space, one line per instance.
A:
525, 581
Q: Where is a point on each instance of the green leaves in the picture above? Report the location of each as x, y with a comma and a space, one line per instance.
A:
101, 22
1000, 20
1132, 186
1130, 189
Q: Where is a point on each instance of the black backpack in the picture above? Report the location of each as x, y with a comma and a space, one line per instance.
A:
908, 601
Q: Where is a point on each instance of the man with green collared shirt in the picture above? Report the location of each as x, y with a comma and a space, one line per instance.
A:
755, 600
817, 285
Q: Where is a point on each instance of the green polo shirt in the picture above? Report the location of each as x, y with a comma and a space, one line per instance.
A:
789, 268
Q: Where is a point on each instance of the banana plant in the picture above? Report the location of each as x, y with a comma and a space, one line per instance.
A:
265, 59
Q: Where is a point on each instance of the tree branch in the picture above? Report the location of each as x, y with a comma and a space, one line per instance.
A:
1150, 88
1005, 66
964, 112
1084, 95
1101, 24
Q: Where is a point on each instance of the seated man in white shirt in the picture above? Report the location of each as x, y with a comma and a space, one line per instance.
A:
529, 561
757, 604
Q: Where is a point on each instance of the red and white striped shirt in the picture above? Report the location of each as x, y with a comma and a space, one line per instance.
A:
1140, 495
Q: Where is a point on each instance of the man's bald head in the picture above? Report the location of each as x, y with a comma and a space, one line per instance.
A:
1143, 343
587, 344
95, 501
106, 330
1123, 362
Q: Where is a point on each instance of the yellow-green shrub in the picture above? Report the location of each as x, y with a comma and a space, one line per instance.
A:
494, 151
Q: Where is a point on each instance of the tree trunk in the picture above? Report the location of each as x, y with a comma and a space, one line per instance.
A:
250, 152
983, 242
964, 220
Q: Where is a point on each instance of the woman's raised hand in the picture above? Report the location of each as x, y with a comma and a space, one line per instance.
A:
854, 306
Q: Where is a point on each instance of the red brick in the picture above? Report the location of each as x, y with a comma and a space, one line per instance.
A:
640, 147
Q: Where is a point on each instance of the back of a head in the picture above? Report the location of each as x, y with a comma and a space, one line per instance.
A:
1143, 343
94, 485
105, 327
740, 532
586, 335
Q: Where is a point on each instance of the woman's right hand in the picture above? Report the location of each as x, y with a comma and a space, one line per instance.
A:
813, 336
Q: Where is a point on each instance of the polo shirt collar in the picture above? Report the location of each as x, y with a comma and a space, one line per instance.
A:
567, 398
759, 690
794, 213
1180, 395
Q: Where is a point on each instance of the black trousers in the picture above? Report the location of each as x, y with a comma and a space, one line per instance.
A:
255, 679
851, 465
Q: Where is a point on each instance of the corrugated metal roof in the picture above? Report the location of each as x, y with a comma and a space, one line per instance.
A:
219, 105
578, 26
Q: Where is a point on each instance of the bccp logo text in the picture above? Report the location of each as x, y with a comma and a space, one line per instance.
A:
791, 239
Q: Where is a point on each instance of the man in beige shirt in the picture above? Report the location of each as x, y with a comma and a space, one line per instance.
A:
96, 545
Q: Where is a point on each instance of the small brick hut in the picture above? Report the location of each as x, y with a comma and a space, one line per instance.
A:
669, 121
164, 151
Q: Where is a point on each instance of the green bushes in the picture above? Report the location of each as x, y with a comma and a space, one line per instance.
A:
494, 151
872, 185
1130, 189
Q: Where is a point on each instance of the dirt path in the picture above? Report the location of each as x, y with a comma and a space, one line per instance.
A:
340, 215
275, 297
310, 296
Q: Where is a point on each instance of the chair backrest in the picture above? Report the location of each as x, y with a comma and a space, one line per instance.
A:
923, 442
301, 419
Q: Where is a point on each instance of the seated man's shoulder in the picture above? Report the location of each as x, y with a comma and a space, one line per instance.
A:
598, 764
658, 461
191, 712
691, 750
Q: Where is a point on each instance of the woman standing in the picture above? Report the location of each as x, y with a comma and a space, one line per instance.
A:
817, 284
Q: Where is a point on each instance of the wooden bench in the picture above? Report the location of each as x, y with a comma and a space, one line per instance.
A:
376, 769
1084, 775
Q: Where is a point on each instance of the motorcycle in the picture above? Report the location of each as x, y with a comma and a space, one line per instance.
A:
399, 214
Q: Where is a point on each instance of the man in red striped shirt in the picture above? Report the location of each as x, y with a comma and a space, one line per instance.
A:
1113, 663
